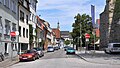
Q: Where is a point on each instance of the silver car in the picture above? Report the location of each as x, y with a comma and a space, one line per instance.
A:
50, 49
40, 51
112, 48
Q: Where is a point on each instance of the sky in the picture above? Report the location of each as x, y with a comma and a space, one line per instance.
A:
64, 11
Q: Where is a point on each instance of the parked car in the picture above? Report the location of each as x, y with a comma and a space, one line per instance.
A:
29, 55
112, 48
56, 48
50, 49
70, 50
65, 48
40, 51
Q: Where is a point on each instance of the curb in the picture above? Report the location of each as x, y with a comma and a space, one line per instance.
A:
94, 62
11, 64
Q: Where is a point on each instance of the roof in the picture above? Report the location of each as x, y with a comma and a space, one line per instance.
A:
57, 32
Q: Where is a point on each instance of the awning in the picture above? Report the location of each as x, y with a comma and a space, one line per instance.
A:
98, 41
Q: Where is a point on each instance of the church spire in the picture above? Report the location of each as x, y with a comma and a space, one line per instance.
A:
58, 26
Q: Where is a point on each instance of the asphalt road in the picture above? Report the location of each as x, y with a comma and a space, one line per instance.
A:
59, 59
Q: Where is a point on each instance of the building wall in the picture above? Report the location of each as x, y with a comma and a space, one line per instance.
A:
104, 28
33, 19
8, 17
24, 39
107, 24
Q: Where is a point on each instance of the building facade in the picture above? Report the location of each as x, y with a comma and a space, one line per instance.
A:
106, 20
33, 22
8, 24
41, 32
24, 19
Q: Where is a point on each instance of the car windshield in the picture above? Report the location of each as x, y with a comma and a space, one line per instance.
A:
70, 48
38, 49
50, 47
28, 51
116, 45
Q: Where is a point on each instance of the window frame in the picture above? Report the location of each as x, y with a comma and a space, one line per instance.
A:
22, 16
23, 32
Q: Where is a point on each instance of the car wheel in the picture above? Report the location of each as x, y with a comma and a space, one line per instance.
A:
34, 58
0, 59
38, 57
43, 54
105, 51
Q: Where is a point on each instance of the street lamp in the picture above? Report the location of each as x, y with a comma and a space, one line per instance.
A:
80, 37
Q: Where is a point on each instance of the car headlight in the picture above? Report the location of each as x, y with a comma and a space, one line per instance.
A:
29, 56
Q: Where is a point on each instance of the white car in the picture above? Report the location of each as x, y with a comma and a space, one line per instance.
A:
50, 49
112, 47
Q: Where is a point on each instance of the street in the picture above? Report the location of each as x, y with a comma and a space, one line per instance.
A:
59, 59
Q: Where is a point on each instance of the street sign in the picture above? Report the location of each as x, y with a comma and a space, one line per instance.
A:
17, 32
13, 33
87, 40
87, 36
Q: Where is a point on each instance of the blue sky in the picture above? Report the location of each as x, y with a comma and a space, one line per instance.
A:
64, 11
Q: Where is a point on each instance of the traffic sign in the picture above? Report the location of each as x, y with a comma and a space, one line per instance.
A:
13, 33
87, 36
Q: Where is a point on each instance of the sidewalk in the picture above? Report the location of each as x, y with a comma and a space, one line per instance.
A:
8, 62
99, 57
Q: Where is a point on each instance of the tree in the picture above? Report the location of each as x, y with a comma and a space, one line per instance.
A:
82, 23
67, 42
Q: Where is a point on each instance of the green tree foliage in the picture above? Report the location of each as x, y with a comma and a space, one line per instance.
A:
67, 42
116, 16
82, 23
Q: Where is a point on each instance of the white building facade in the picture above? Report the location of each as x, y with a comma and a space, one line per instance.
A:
24, 19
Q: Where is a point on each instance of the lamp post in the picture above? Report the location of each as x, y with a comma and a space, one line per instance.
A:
80, 38
94, 39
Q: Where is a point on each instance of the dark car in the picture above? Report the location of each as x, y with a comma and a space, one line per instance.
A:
56, 48
29, 55
40, 51
70, 50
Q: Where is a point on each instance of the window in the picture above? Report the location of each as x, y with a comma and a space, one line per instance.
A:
13, 27
1, 26
20, 30
27, 19
27, 33
14, 7
7, 26
32, 17
22, 16
6, 3
1, 1
22, 1
23, 32
25, 4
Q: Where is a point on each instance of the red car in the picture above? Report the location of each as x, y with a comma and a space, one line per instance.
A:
29, 55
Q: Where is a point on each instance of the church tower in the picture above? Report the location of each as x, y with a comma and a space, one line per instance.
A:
58, 26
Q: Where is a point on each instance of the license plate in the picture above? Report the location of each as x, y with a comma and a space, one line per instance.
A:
24, 58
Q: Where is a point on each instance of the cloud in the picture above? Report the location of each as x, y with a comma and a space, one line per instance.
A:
65, 10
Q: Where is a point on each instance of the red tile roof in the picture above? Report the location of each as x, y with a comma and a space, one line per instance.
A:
57, 32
